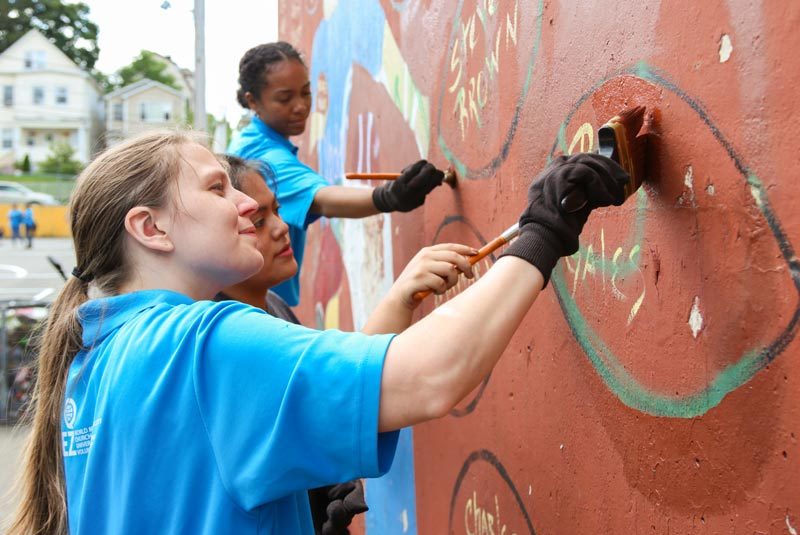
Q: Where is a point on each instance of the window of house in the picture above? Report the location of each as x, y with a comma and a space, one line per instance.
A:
34, 60
8, 138
116, 111
38, 95
31, 140
155, 112
8, 95
61, 95
48, 138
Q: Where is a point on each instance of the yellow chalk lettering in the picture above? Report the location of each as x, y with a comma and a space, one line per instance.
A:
511, 29
455, 62
482, 101
462, 111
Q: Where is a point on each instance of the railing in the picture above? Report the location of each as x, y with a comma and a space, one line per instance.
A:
18, 324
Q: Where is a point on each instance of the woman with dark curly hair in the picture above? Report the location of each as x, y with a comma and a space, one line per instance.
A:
274, 84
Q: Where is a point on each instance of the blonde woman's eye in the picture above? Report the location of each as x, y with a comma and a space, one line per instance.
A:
258, 223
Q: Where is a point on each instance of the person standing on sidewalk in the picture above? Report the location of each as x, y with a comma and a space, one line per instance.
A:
15, 222
30, 224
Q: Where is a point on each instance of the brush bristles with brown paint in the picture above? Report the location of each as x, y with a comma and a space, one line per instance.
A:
623, 139
450, 176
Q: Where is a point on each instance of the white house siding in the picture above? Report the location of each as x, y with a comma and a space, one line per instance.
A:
36, 125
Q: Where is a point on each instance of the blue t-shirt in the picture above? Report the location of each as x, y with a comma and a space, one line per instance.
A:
15, 218
28, 217
294, 184
206, 418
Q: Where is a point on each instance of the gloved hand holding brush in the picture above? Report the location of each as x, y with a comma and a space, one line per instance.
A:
547, 232
409, 190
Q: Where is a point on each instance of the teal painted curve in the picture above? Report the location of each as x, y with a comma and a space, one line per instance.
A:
622, 384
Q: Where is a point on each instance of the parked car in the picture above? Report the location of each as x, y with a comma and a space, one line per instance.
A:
11, 192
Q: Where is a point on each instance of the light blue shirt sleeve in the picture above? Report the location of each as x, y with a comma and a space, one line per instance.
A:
295, 186
288, 408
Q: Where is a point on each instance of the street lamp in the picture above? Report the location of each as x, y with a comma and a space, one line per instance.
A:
199, 11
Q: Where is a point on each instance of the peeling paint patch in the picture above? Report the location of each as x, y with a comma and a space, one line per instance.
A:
530, 491
695, 318
404, 519
725, 48
789, 526
710, 189
756, 193
688, 178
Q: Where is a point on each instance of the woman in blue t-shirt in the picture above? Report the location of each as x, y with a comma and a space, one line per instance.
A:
159, 410
274, 85
333, 506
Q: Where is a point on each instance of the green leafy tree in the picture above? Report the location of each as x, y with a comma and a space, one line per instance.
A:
61, 160
147, 65
66, 25
24, 164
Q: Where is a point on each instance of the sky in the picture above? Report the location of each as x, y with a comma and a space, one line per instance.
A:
232, 27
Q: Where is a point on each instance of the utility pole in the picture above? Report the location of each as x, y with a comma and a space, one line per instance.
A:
200, 66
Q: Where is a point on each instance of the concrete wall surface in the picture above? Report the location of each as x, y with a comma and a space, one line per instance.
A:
653, 387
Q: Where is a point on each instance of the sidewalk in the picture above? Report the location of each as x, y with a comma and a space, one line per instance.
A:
26, 275
12, 440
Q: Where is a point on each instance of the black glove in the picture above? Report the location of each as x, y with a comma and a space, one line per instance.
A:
547, 232
344, 501
408, 191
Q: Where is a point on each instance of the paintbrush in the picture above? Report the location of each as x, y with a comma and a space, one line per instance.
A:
623, 139
509, 234
450, 176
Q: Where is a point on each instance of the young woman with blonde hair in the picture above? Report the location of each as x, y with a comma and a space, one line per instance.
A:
159, 410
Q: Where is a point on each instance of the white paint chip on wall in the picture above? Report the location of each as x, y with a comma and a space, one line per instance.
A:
695, 318
725, 48
789, 526
404, 519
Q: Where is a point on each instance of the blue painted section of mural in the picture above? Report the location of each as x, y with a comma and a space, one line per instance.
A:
392, 498
353, 35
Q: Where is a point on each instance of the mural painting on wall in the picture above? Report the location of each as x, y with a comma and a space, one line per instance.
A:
674, 308
614, 253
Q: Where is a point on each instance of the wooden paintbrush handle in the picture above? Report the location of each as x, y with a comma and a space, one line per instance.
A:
483, 252
371, 176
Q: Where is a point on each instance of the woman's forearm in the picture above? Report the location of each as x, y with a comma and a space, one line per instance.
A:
437, 361
343, 201
390, 316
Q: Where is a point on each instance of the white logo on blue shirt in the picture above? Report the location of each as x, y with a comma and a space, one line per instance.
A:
70, 413
76, 441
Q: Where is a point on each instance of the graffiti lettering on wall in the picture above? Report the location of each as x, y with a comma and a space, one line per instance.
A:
471, 91
483, 83
494, 509
621, 263
683, 223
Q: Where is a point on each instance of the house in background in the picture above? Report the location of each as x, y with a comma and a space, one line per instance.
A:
45, 98
184, 78
141, 106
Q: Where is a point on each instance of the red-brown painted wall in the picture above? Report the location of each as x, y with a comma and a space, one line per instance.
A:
653, 388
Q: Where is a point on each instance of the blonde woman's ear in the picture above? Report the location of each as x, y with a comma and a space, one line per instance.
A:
141, 225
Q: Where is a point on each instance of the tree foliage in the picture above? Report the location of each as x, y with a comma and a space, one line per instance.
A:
146, 65
61, 160
66, 25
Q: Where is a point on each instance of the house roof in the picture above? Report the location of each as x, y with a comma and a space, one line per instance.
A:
34, 35
138, 87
